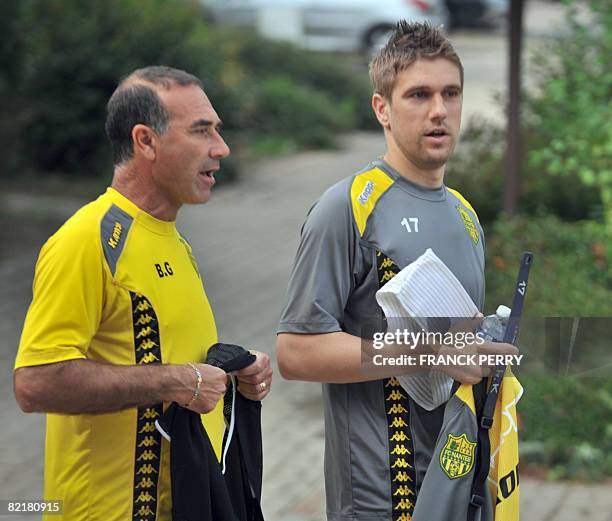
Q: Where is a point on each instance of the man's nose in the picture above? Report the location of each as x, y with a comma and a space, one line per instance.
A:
220, 149
438, 107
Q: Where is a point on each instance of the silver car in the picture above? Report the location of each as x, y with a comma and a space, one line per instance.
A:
327, 25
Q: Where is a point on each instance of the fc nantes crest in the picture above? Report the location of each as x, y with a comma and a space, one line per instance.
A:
457, 456
468, 223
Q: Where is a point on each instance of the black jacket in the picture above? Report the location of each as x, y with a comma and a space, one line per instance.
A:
200, 491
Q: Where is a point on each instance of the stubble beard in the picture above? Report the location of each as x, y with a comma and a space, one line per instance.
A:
423, 160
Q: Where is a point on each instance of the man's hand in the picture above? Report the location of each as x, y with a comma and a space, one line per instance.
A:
254, 381
212, 388
473, 373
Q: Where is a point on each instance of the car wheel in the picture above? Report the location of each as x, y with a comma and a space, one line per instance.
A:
376, 38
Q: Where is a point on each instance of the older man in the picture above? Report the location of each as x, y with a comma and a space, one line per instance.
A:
120, 323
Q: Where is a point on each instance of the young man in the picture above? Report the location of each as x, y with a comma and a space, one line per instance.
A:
119, 322
379, 442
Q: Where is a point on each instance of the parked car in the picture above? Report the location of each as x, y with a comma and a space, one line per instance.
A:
327, 25
477, 13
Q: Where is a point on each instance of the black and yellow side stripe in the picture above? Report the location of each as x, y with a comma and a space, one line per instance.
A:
148, 440
401, 447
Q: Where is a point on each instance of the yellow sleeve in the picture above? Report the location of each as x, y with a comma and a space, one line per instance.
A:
67, 298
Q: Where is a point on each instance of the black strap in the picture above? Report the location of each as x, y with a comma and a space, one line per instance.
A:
486, 401
509, 337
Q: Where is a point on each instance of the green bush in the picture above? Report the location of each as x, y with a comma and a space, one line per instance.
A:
572, 105
342, 80
568, 421
571, 275
308, 116
477, 171
10, 68
72, 52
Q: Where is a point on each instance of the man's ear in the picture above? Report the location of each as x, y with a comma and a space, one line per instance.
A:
381, 107
145, 142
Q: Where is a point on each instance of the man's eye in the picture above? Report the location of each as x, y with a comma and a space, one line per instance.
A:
452, 93
419, 94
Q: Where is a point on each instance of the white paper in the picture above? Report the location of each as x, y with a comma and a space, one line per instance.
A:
424, 289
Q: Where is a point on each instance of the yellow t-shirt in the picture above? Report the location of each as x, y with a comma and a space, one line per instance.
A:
115, 285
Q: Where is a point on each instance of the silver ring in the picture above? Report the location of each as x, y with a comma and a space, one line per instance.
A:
262, 386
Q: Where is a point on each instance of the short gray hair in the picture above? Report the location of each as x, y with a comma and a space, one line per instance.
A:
134, 103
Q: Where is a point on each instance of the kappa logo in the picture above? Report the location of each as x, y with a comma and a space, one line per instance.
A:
114, 239
148, 358
401, 463
387, 263
398, 422
393, 382
402, 477
404, 490
145, 483
149, 414
147, 455
399, 436
143, 306
148, 441
404, 504
147, 427
145, 511
144, 320
395, 395
388, 275
145, 332
401, 449
146, 344
367, 192
457, 456
147, 469
396, 408
145, 497
468, 223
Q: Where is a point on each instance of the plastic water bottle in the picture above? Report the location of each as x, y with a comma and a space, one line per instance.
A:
493, 327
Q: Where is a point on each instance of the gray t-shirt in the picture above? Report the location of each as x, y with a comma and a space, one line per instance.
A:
378, 443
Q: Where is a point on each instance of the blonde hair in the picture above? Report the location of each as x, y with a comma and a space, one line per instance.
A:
410, 42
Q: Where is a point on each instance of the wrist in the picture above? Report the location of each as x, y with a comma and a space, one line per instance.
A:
178, 384
197, 387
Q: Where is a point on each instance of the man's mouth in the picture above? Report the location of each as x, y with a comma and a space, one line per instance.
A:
209, 173
438, 132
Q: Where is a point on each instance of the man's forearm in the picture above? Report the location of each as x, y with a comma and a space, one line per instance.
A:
343, 358
337, 358
84, 386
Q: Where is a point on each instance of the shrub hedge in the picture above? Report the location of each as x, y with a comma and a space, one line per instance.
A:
67, 55
566, 425
572, 272
565, 420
